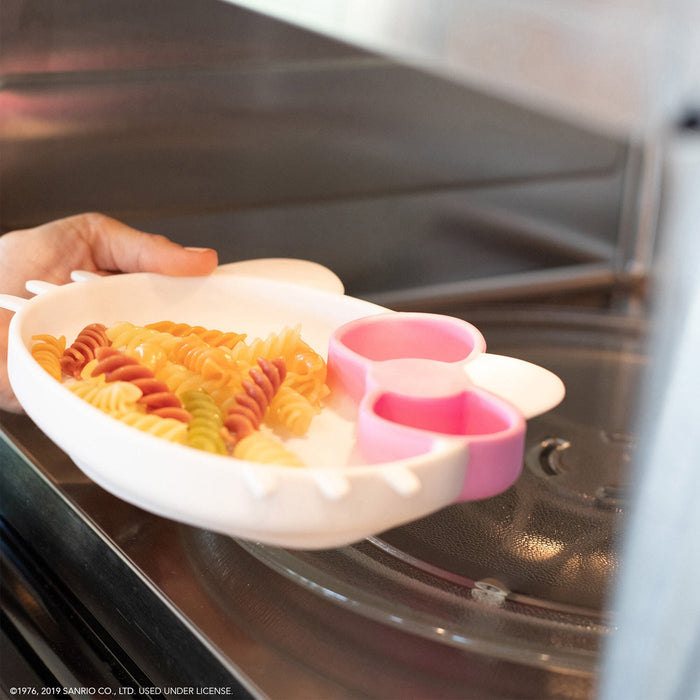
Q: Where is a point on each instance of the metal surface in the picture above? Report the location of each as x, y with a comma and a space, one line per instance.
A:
48, 629
661, 547
625, 66
136, 618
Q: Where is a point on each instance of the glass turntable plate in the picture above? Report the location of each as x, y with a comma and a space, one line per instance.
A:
523, 576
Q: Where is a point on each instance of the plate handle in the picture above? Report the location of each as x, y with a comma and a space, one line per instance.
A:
11, 302
302, 272
14, 303
39, 286
533, 389
83, 275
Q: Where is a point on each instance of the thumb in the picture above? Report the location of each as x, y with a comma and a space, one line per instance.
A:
118, 247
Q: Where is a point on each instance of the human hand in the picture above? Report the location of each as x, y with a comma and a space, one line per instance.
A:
92, 242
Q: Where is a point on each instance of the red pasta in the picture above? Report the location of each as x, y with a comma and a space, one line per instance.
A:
246, 415
83, 348
156, 397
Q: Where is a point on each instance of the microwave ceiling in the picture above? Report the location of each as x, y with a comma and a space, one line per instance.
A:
626, 66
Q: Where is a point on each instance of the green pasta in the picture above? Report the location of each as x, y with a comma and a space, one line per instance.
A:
204, 430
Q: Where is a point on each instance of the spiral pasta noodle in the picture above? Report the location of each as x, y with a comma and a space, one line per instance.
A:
155, 347
307, 373
83, 348
47, 350
86, 373
156, 397
204, 430
179, 379
115, 398
211, 336
246, 415
258, 447
169, 429
211, 363
282, 344
151, 354
128, 336
291, 410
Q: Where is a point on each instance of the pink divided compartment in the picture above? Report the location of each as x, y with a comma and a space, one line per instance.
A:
407, 373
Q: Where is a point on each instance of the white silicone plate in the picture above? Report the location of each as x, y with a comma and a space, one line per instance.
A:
337, 499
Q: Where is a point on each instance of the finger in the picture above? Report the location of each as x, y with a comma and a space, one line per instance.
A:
118, 247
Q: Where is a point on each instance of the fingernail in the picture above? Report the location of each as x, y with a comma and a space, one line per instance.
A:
197, 250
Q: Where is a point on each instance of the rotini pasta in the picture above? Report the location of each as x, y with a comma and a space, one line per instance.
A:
204, 430
307, 373
283, 344
259, 447
47, 350
82, 350
86, 372
116, 398
179, 379
214, 364
167, 428
151, 354
291, 410
213, 337
128, 336
249, 410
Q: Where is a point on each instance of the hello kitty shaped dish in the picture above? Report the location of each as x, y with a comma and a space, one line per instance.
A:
419, 415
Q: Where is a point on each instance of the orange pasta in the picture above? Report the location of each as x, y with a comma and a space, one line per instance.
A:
83, 348
211, 336
48, 350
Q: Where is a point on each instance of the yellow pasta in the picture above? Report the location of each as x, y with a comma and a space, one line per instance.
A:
307, 373
86, 372
128, 336
291, 410
213, 337
178, 379
211, 363
151, 354
263, 448
283, 344
311, 386
114, 398
167, 428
